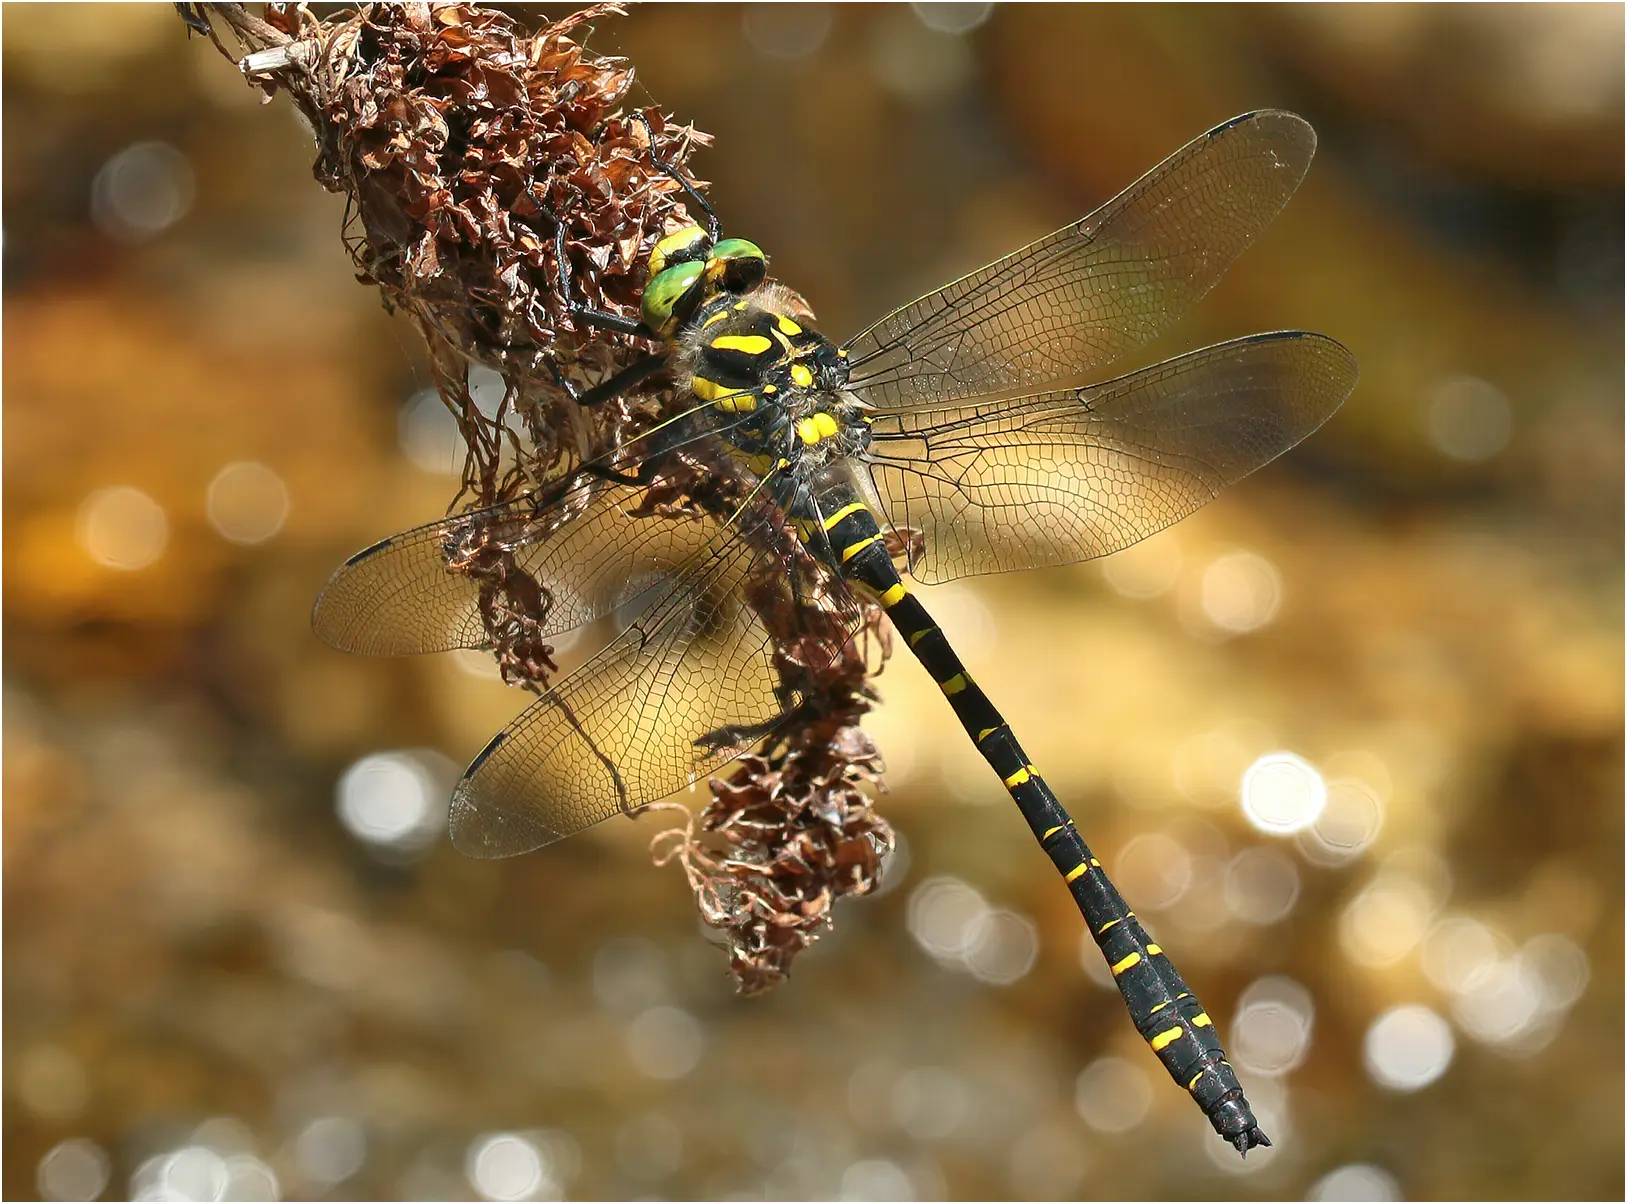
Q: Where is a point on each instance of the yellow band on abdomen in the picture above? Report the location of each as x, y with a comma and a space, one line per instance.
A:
848, 553
850, 508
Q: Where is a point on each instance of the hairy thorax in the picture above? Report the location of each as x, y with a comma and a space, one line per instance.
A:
777, 388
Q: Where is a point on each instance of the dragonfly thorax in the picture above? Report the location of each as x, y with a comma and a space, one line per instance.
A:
777, 386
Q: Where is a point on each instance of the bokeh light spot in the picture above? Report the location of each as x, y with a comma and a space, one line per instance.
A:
1242, 592
122, 528
665, 1042
1148, 569
1001, 947
391, 800
952, 18
1385, 921
247, 1178
505, 1166
194, 1172
247, 502
630, 975
1459, 953
1112, 1095
930, 1102
1283, 793
1348, 825
330, 1150
1271, 1028
1153, 869
1356, 1181
1560, 964
76, 1169
1469, 419
876, 1179
142, 191
1261, 886
49, 1081
1048, 1162
944, 915
1408, 1048
786, 31
1505, 1003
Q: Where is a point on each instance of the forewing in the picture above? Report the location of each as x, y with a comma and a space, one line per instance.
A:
1094, 290
623, 729
576, 556
1071, 474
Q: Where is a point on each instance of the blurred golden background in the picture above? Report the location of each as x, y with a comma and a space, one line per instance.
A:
241, 960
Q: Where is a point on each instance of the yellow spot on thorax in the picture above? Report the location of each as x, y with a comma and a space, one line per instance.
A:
787, 326
800, 375
750, 344
730, 401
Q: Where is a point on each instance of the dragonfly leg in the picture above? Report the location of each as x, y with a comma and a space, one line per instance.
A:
713, 226
580, 311
643, 475
636, 372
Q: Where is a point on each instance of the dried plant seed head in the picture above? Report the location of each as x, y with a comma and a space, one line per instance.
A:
463, 146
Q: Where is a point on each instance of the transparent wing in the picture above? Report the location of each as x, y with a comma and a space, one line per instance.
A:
1077, 473
1097, 289
688, 687
572, 559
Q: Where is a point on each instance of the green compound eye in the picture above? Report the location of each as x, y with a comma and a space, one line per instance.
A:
663, 293
675, 249
737, 265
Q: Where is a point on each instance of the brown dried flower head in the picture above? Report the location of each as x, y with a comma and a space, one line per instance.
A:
462, 146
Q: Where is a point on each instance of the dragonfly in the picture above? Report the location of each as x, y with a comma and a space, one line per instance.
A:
957, 435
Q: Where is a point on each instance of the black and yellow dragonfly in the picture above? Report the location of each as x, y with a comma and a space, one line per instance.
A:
956, 434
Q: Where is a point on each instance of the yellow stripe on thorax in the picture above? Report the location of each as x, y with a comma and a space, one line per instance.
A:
750, 344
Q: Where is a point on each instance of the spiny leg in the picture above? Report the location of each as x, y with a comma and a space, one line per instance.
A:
713, 226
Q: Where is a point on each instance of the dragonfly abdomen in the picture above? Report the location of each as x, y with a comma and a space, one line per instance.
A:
1166, 1013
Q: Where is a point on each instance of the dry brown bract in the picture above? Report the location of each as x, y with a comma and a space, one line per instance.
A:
460, 143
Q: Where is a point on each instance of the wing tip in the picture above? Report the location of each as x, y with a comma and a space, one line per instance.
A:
1292, 129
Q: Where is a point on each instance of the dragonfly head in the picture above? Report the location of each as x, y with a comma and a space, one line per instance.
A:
686, 268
